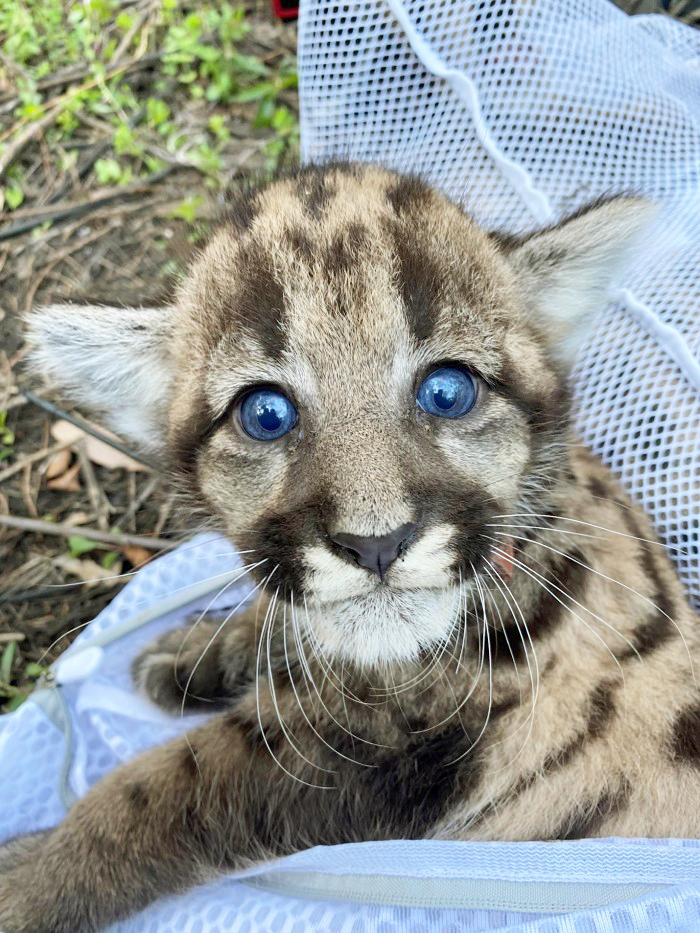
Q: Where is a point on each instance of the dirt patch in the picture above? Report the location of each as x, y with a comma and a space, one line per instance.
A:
76, 239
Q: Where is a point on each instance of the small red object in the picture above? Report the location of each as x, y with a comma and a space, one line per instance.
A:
284, 9
502, 559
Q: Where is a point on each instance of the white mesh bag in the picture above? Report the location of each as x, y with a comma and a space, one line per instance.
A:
523, 110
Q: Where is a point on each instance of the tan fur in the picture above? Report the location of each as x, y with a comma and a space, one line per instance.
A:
522, 670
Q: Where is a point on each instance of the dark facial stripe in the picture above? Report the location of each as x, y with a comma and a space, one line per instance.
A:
341, 263
315, 193
685, 741
657, 628
186, 443
419, 278
257, 304
589, 818
280, 538
569, 576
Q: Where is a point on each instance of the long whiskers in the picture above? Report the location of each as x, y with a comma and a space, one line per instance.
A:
579, 534
310, 680
625, 586
271, 681
550, 587
508, 596
213, 638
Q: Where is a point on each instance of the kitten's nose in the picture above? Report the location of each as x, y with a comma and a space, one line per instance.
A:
376, 553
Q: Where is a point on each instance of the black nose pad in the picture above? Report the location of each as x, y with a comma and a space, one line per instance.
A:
376, 553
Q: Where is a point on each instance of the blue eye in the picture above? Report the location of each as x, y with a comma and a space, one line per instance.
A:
447, 392
267, 414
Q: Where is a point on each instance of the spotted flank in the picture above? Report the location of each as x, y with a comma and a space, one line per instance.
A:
464, 629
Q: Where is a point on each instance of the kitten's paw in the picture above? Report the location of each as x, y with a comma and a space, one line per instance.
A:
190, 668
180, 669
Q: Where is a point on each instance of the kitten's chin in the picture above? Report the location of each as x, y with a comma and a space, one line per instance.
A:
384, 627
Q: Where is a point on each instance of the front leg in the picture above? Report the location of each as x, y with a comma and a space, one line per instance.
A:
179, 815
174, 817
203, 665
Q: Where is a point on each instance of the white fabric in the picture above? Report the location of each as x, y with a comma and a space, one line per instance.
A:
524, 110
65, 738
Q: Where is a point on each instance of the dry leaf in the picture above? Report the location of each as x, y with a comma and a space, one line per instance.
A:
100, 453
78, 518
87, 570
58, 464
138, 556
68, 481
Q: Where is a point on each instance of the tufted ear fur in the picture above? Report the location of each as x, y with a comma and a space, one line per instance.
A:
113, 361
564, 272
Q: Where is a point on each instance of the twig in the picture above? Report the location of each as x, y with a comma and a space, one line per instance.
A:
129, 35
114, 539
37, 216
59, 257
6, 637
77, 73
62, 99
139, 500
88, 428
96, 494
37, 592
93, 155
32, 458
18, 144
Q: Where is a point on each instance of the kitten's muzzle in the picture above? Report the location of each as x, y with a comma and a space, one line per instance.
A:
376, 553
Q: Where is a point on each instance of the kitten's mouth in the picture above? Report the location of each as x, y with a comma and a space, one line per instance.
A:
385, 625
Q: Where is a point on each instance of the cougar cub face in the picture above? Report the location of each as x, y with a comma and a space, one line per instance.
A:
354, 384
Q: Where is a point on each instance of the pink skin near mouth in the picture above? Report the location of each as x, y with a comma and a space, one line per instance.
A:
503, 560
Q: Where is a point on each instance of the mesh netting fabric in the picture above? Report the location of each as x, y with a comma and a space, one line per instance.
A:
525, 112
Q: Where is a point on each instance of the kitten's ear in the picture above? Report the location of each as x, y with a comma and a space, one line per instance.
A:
113, 361
564, 273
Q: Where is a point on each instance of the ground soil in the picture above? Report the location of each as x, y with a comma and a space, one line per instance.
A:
110, 246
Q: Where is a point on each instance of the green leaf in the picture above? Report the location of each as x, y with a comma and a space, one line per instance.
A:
6, 662
187, 209
13, 197
78, 545
110, 559
282, 119
15, 702
257, 92
217, 125
124, 22
157, 111
125, 142
33, 670
109, 172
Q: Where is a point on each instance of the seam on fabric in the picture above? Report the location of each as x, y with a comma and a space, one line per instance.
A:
521, 181
670, 338
454, 893
52, 703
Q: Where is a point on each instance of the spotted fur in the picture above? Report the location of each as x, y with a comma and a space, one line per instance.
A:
523, 669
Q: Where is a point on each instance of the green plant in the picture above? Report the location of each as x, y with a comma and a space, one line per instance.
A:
197, 51
11, 694
7, 438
